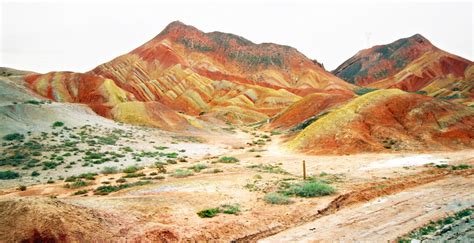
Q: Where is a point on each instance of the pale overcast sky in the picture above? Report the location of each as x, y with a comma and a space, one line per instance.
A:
44, 36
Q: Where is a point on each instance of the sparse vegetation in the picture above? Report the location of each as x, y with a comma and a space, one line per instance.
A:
230, 208
439, 226
179, 173
80, 192
105, 190
109, 170
14, 136
269, 168
277, 198
131, 169
441, 166
228, 160
8, 175
225, 208
78, 184
208, 213
133, 175
460, 167
198, 167
309, 189
58, 124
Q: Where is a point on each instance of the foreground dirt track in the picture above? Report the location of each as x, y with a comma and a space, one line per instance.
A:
366, 193
387, 217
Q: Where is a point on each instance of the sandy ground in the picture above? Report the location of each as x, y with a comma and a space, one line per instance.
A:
396, 188
386, 218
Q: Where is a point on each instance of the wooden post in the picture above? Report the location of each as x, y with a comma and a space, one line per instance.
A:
304, 170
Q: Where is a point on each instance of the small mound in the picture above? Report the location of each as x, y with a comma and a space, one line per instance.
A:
50, 220
387, 120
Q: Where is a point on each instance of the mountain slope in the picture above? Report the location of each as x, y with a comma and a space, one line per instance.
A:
184, 70
389, 119
411, 64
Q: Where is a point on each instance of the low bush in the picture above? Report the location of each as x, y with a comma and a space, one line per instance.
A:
131, 169
276, 198
109, 170
8, 175
460, 167
13, 136
133, 175
309, 189
80, 192
230, 208
58, 124
226, 159
198, 167
208, 213
179, 173
104, 190
35, 173
78, 184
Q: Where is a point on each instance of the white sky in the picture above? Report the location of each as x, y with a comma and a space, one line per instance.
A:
44, 36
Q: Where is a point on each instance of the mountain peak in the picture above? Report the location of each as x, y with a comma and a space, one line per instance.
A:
178, 27
420, 39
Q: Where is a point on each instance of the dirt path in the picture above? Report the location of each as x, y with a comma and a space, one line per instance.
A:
386, 218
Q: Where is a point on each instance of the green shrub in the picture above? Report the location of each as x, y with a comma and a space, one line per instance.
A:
78, 184
109, 170
49, 165
276, 198
226, 159
22, 188
87, 176
441, 166
58, 124
133, 175
463, 213
208, 213
179, 173
109, 140
173, 155
8, 175
80, 192
198, 167
104, 190
460, 167
230, 208
310, 189
127, 149
131, 169
35, 173
33, 102
13, 136
171, 161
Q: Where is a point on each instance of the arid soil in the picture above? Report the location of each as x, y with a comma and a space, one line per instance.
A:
396, 187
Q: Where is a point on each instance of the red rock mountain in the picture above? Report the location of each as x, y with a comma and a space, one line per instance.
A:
191, 73
411, 64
